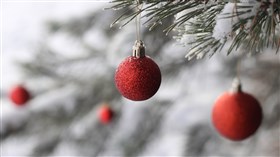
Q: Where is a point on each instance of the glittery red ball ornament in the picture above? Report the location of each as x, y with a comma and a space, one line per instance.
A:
236, 115
138, 77
19, 95
105, 114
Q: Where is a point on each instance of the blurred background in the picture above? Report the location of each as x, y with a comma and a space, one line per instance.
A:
65, 54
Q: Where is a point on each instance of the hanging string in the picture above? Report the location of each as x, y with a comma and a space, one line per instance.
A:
137, 20
237, 81
238, 68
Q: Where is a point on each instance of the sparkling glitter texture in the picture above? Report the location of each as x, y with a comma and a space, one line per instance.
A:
19, 95
236, 115
138, 78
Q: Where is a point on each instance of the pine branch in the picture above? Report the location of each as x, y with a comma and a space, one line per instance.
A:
198, 18
155, 11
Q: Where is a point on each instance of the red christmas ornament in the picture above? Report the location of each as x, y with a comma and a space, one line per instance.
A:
19, 95
236, 115
138, 77
105, 114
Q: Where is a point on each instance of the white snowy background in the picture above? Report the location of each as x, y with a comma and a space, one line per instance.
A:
175, 122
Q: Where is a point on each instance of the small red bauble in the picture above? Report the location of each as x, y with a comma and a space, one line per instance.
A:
138, 77
105, 114
19, 95
236, 115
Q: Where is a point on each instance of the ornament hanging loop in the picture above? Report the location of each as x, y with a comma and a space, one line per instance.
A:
236, 85
138, 49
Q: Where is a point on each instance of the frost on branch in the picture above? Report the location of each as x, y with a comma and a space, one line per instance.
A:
248, 25
227, 19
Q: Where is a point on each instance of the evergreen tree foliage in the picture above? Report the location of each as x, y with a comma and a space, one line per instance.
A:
211, 25
72, 74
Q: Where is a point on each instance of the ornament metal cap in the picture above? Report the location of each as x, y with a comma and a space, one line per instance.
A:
138, 49
236, 85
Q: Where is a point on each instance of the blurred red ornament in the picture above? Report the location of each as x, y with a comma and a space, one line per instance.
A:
138, 77
19, 95
105, 114
236, 115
